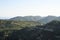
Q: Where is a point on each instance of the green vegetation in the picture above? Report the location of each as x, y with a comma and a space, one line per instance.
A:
7, 24
29, 30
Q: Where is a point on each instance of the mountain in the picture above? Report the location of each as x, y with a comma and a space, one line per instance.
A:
40, 19
48, 19
37, 33
53, 25
29, 33
26, 18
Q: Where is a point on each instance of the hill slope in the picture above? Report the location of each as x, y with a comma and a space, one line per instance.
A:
17, 24
36, 18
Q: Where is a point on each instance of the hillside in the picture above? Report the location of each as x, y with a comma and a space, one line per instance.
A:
48, 19
40, 19
29, 30
26, 18
17, 24
37, 33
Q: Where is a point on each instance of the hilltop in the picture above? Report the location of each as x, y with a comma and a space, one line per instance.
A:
40, 19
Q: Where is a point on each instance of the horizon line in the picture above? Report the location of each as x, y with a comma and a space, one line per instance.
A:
6, 17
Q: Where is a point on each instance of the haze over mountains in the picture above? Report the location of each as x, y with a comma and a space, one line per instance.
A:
36, 18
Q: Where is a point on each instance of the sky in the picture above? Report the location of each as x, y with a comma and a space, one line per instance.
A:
12, 8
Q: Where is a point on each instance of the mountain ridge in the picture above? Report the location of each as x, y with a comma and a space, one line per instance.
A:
35, 18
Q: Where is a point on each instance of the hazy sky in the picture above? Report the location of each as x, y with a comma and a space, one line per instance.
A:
11, 8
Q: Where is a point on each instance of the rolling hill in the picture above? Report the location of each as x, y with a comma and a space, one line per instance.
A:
40, 19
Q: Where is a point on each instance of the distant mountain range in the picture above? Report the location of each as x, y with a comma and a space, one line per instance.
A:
36, 18
49, 19
26, 18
